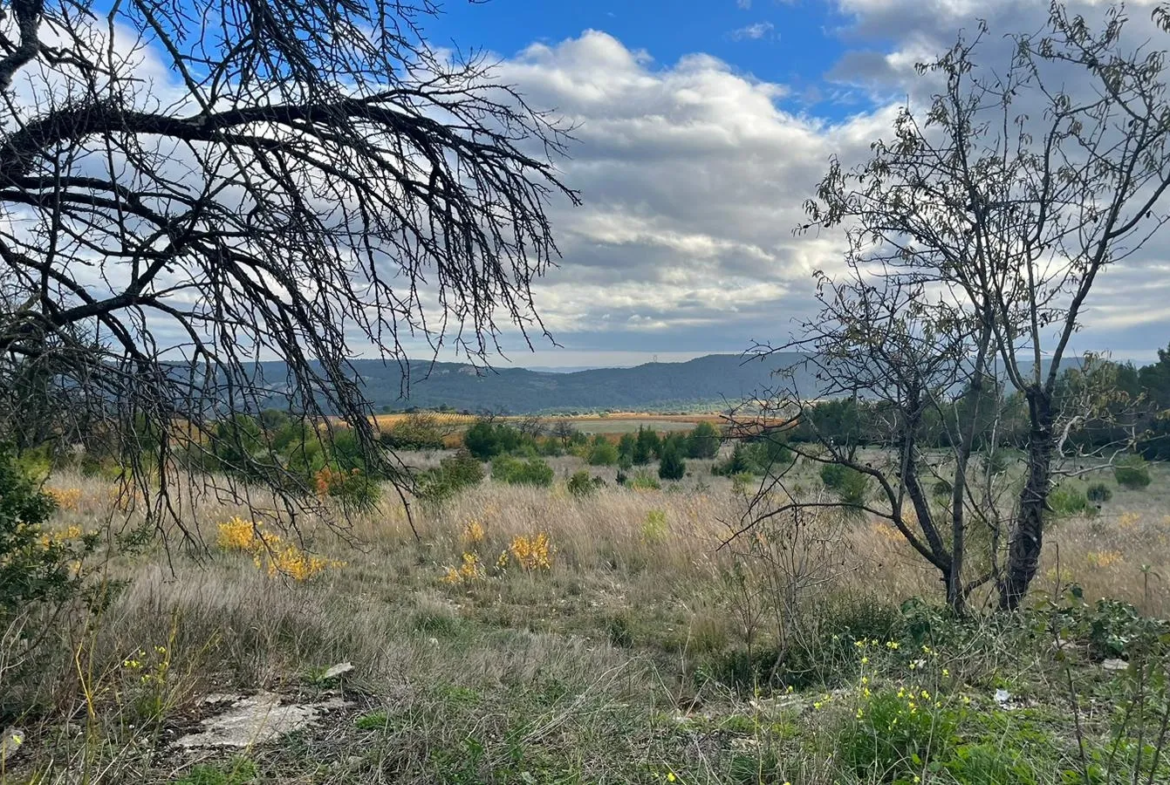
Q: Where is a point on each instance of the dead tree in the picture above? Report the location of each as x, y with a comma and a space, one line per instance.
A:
188, 189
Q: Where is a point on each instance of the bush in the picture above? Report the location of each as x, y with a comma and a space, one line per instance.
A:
1068, 500
581, 484
34, 567
703, 441
672, 466
850, 485
455, 473
646, 446
643, 481
894, 737
353, 488
767, 453
626, 447
417, 431
735, 464
1132, 473
485, 439
1099, 492
514, 471
603, 454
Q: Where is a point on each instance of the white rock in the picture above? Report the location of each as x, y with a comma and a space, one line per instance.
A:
1115, 665
256, 720
340, 669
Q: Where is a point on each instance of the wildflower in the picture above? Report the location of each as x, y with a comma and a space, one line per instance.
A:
817, 705
865, 660
860, 714
946, 672
532, 553
891, 645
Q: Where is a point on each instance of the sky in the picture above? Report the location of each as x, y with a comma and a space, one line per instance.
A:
702, 127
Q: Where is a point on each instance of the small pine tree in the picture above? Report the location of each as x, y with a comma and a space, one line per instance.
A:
672, 466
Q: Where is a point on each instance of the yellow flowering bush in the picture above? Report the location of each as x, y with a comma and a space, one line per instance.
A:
473, 533
470, 570
1103, 559
270, 552
531, 553
66, 498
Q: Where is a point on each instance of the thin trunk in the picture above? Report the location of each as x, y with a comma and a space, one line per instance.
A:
1028, 536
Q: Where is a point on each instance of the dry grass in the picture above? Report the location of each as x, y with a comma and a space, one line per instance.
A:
582, 657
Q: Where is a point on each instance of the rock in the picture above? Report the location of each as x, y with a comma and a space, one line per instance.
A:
340, 669
1003, 697
256, 720
1114, 665
10, 743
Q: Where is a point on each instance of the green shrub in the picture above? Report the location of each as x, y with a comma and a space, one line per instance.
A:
417, 431
767, 453
603, 454
990, 764
581, 484
850, 485
1098, 492
643, 481
455, 473
646, 446
895, 737
1067, 500
485, 439
942, 489
703, 441
1132, 473
514, 471
672, 466
33, 568
738, 462
354, 488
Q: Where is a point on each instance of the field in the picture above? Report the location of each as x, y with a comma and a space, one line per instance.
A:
528, 635
614, 422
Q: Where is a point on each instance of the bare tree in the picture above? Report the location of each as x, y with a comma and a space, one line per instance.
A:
189, 188
974, 239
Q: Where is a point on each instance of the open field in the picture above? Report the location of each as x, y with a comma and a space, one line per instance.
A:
615, 422
636, 647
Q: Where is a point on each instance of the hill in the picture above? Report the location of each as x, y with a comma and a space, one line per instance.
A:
717, 380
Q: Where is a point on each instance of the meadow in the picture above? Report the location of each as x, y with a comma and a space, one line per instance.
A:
530, 634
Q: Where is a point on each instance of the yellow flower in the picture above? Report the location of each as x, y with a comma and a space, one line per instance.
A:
946, 672
865, 660
891, 644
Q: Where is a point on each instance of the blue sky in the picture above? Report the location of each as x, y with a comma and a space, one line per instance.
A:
793, 43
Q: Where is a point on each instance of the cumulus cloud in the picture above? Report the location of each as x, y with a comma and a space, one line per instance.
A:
693, 178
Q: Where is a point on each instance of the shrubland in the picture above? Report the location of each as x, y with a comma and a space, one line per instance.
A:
582, 631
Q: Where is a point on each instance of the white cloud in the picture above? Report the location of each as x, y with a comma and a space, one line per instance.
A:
744, 5
754, 32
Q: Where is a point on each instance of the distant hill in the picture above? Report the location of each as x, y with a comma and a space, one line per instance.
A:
715, 379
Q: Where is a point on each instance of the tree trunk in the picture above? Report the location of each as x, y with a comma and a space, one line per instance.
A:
1028, 536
